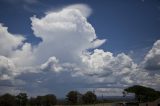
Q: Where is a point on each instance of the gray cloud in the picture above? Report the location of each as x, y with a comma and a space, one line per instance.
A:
152, 59
7, 68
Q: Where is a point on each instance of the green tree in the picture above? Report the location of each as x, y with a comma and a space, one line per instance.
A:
21, 99
142, 93
72, 97
39, 101
49, 100
7, 100
89, 98
32, 102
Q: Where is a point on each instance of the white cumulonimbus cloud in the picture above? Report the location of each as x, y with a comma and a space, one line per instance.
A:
10, 45
8, 42
67, 37
65, 34
7, 68
152, 59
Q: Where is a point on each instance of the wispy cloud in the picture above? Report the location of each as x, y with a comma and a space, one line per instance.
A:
22, 1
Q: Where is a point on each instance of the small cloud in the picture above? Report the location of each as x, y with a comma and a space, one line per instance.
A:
83, 8
29, 9
142, 0
31, 1
22, 1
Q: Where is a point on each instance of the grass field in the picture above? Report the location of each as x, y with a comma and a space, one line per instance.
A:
102, 104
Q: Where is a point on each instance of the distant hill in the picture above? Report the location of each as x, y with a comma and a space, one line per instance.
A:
117, 98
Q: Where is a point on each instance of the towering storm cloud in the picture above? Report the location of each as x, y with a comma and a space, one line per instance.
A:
69, 53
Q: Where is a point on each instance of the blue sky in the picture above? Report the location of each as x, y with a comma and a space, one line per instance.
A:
79, 45
127, 25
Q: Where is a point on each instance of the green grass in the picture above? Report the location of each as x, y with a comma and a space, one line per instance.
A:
101, 104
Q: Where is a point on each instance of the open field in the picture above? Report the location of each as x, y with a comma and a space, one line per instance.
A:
102, 104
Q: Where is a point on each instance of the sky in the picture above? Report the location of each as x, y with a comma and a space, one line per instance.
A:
54, 47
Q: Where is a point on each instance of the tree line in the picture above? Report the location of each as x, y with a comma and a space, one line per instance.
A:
72, 98
142, 94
